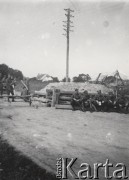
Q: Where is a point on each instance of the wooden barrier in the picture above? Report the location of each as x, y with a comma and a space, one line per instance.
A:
64, 102
64, 98
30, 99
40, 100
40, 94
55, 98
15, 96
59, 106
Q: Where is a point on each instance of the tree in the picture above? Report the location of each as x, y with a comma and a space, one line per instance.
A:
87, 77
75, 79
18, 74
64, 79
4, 69
109, 79
11, 71
82, 78
55, 79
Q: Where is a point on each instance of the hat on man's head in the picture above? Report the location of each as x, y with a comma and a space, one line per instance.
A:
99, 91
85, 91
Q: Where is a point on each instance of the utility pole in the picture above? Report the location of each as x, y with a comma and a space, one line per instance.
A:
67, 27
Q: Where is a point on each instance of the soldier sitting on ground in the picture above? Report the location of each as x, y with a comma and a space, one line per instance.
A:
107, 103
76, 100
93, 103
85, 101
99, 99
111, 99
121, 103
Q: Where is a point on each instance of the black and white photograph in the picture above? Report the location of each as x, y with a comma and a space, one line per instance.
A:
64, 89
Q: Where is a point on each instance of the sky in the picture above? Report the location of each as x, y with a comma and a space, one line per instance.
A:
31, 37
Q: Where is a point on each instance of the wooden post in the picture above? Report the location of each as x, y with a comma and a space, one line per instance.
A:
116, 91
55, 97
24, 84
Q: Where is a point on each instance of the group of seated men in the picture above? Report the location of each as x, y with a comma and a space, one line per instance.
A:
99, 102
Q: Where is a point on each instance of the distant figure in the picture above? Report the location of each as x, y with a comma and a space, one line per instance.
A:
10, 86
13, 84
85, 100
24, 93
76, 100
99, 99
1, 85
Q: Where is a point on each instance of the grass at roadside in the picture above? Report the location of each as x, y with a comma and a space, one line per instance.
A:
15, 166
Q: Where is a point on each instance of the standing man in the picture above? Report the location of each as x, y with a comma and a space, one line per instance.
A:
9, 87
1, 85
76, 100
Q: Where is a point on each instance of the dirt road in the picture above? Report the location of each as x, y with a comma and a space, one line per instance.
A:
44, 134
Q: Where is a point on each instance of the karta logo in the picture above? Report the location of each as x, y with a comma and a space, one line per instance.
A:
65, 170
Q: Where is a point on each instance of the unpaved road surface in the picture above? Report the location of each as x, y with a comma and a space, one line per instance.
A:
44, 134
